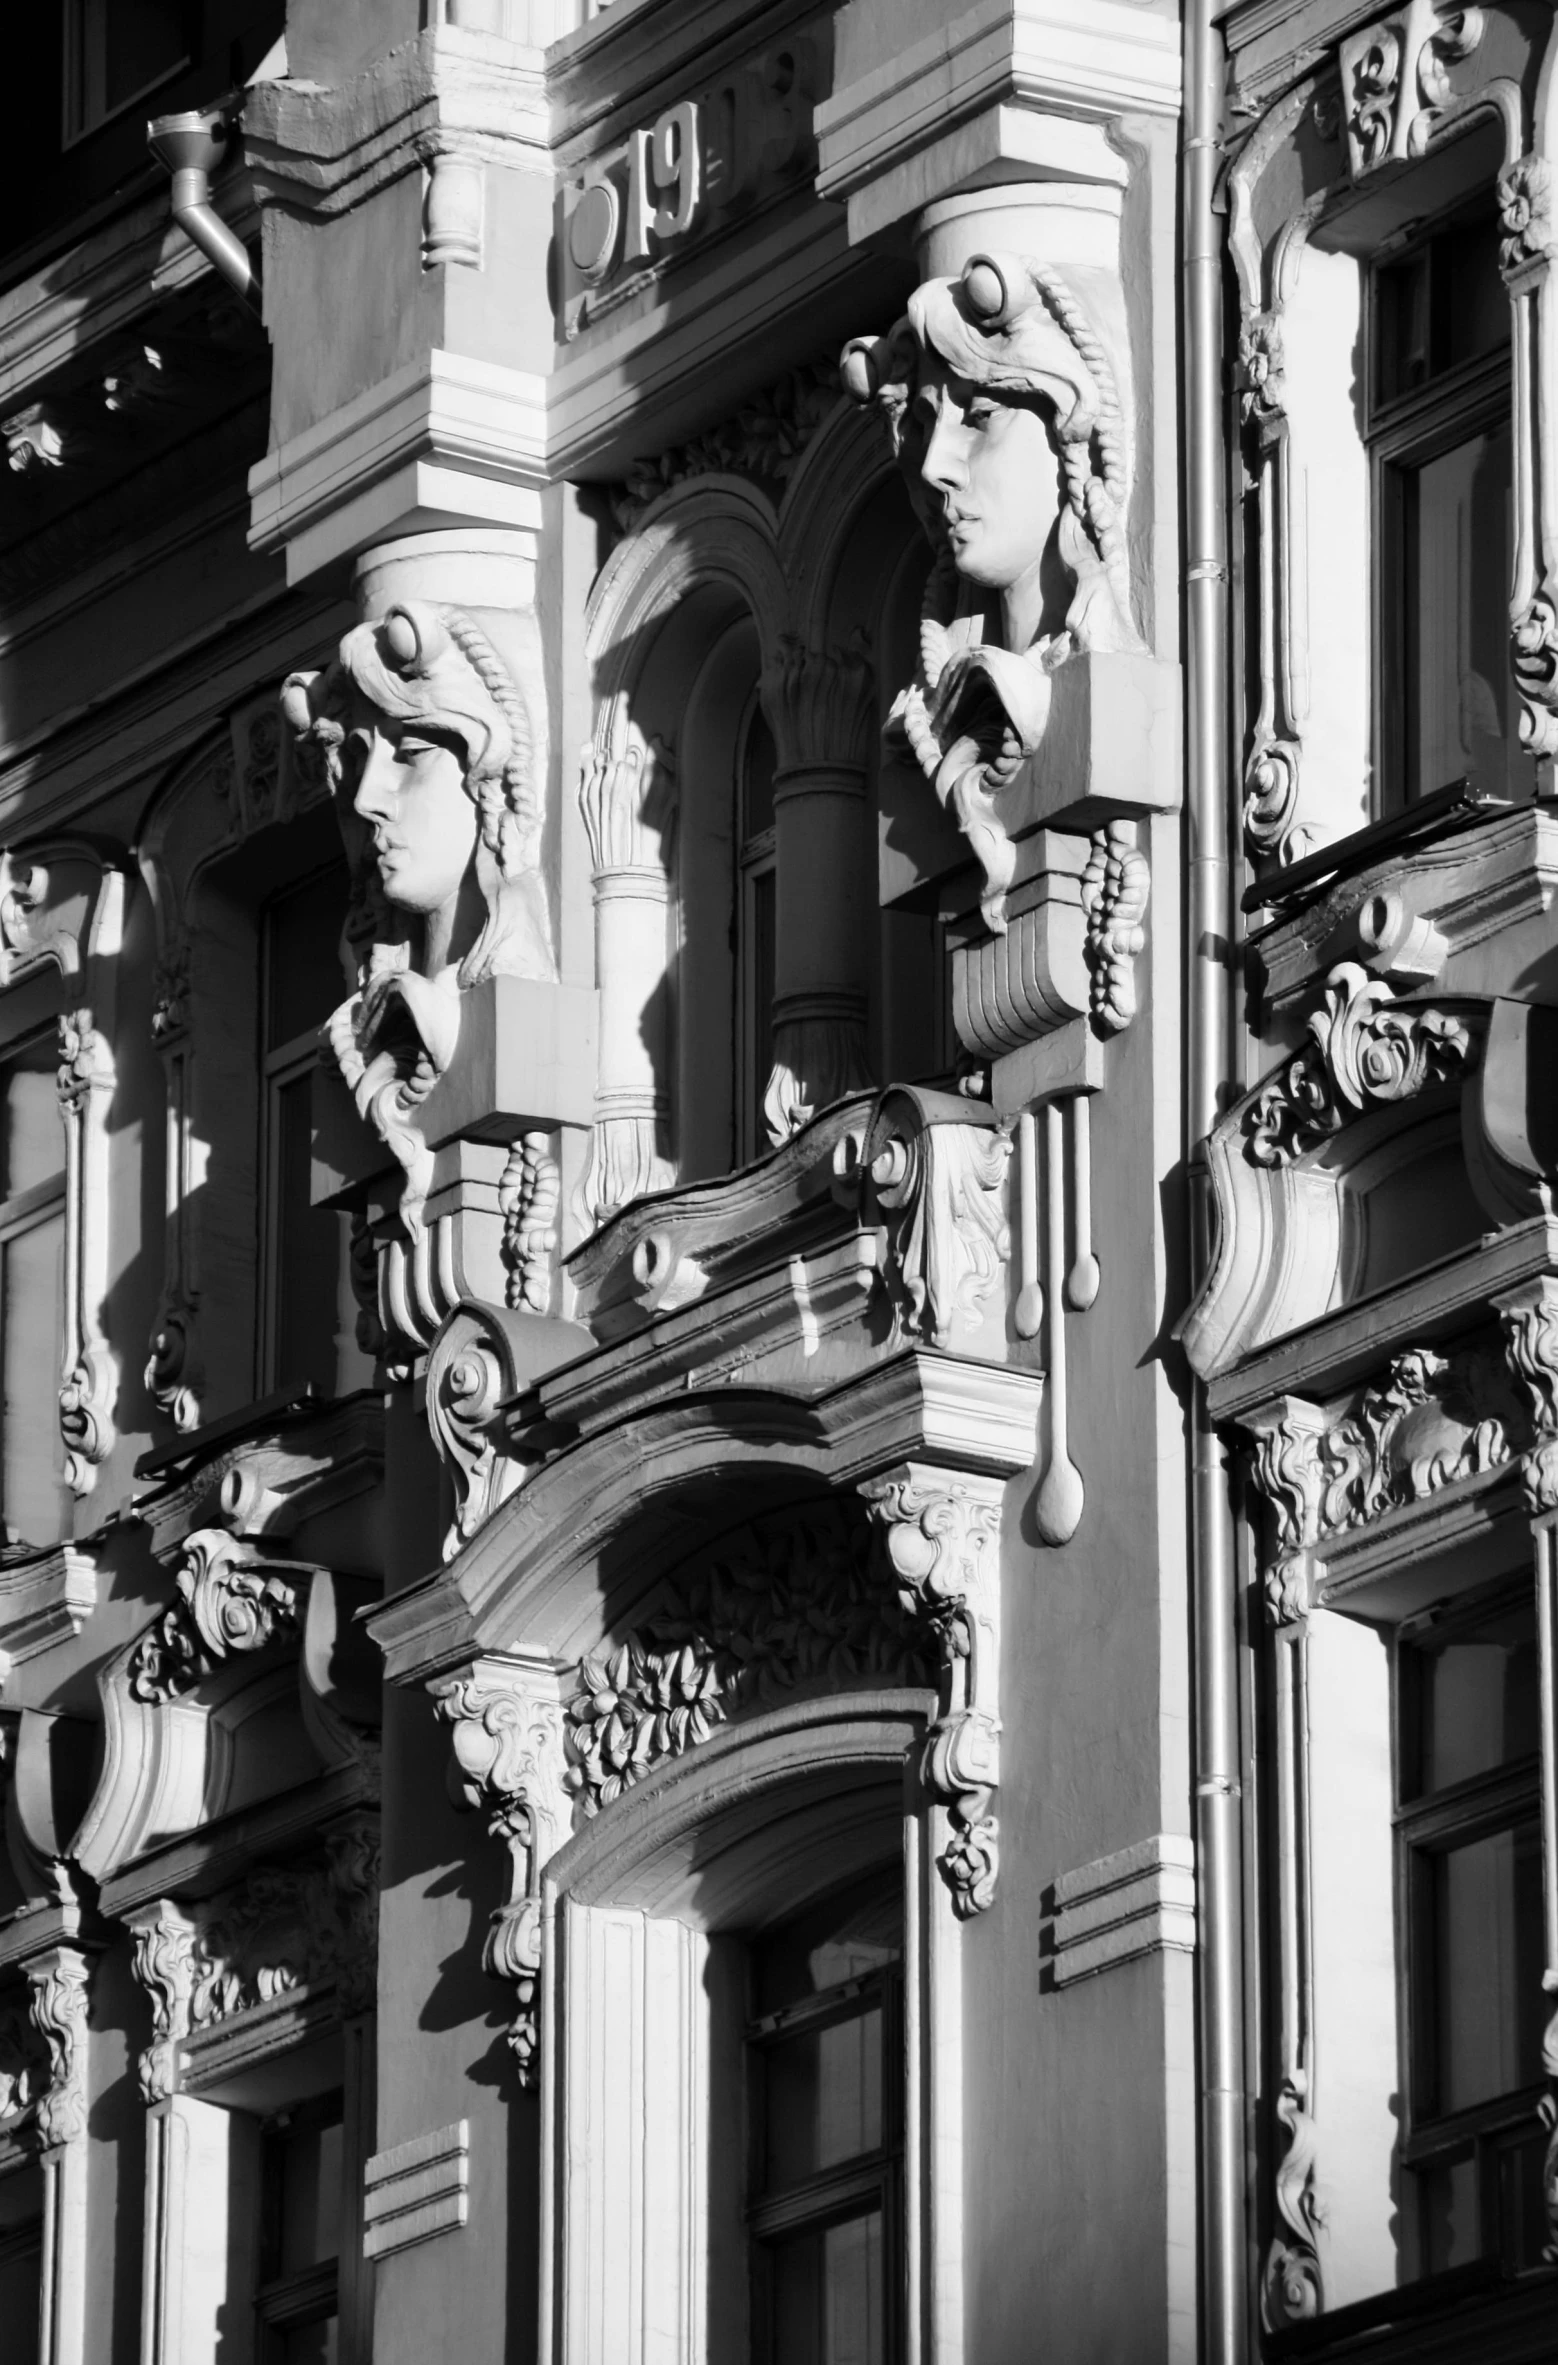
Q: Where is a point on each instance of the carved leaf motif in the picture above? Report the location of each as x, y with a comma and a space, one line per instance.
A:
1365, 1051
940, 1193
1292, 2291
797, 1602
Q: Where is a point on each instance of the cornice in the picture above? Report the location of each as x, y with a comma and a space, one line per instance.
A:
1043, 54
328, 150
1429, 1306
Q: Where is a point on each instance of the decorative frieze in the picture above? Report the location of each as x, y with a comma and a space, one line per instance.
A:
763, 440
1365, 1051
506, 1726
292, 1929
796, 1602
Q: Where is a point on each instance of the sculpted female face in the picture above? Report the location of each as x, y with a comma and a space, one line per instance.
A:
985, 461
410, 790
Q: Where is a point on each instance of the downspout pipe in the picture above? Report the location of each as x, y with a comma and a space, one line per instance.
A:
191, 147
1218, 1803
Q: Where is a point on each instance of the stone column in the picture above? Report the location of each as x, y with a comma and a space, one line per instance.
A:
821, 707
628, 799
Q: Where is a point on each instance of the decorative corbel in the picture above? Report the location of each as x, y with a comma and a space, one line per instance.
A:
234, 1597
506, 1720
166, 1963
627, 796
58, 1978
1529, 1316
1525, 192
821, 707
942, 1531
934, 1176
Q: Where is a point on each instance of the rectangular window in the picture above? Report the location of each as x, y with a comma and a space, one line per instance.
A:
302, 2158
21, 2262
1441, 459
32, 1290
1469, 1893
301, 1246
116, 53
825, 2045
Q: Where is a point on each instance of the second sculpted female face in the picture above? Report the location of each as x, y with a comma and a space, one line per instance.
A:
410, 789
986, 463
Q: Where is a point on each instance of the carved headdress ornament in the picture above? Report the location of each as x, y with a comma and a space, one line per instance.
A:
434, 665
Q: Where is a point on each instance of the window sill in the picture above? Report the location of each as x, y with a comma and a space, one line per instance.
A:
1475, 2311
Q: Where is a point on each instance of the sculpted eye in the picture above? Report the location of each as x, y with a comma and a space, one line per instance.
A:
980, 414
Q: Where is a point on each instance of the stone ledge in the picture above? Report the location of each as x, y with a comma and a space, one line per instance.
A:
416, 2190
1138, 1901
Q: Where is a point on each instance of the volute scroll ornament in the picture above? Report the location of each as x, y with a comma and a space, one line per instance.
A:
1365, 1050
933, 1172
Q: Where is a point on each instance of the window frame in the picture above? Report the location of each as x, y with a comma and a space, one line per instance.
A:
1400, 435
83, 71
756, 863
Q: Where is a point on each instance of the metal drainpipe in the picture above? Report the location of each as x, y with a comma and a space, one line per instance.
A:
1224, 2253
191, 147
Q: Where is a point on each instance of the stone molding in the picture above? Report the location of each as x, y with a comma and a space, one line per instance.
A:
1139, 1901
762, 440
628, 800
416, 2189
1365, 1051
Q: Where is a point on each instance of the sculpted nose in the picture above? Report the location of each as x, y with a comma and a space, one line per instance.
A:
376, 789
943, 464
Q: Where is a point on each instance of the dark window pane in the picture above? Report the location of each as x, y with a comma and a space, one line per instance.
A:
310, 2344
759, 761
760, 972
33, 1146
829, 2301
142, 40
1455, 558
21, 2266
32, 1457
1487, 1966
1522, 2202
1440, 307
303, 932
823, 2099
307, 1246
837, 1940
1449, 2222
1476, 1699
303, 2155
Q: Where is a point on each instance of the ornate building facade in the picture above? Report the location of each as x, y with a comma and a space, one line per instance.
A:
778, 1274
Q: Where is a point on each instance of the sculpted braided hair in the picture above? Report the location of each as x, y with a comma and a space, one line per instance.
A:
507, 802
1097, 493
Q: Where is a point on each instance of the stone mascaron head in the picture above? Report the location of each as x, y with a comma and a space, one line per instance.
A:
1006, 420
427, 743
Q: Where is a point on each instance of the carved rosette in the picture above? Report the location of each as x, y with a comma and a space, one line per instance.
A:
936, 1181
628, 801
1525, 195
506, 1725
1365, 1051
1259, 370
942, 1533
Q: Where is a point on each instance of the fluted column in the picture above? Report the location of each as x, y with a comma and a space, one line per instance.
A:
628, 799
820, 705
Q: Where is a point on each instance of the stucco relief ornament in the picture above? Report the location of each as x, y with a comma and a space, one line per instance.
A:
1365, 1051
1260, 373
1006, 422
427, 748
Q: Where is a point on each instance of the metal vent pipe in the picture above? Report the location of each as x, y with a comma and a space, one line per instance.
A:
191, 147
